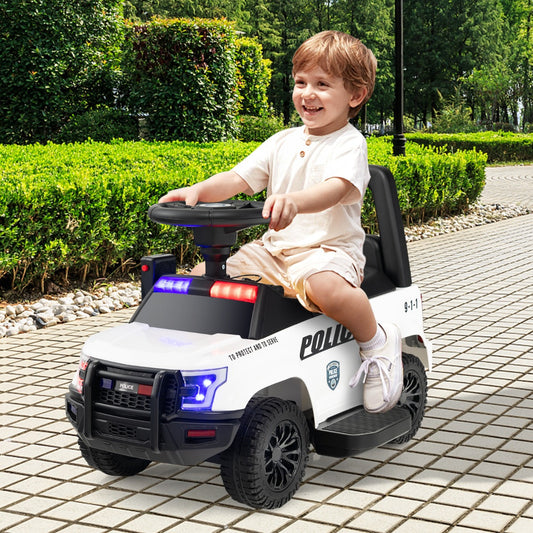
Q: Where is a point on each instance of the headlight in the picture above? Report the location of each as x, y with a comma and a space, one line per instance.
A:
79, 376
198, 391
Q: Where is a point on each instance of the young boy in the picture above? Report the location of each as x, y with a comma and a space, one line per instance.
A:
316, 176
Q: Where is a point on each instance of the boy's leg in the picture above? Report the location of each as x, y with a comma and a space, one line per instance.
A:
350, 306
346, 304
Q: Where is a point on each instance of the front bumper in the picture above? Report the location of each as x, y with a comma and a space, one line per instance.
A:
146, 426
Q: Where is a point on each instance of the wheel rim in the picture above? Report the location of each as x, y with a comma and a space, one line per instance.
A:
283, 455
411, 393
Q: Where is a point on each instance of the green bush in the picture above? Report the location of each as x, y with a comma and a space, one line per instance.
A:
79, 210
181, 74
258, 129
499, 146
102, 125
58, 58
454, 119
253, 78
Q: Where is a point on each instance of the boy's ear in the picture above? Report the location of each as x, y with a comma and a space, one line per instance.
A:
358, 97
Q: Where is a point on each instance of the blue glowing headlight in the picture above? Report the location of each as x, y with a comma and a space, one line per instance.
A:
199, 388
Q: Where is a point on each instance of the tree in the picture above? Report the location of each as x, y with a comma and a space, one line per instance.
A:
519, 18
372, 21
449, 45
57, 58
444, 41
280, 27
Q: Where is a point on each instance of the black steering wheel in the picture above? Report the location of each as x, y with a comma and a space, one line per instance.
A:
214, 225
230, 213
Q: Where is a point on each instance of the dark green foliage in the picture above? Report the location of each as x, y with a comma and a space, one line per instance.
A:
181, 75
102, 125
58, 58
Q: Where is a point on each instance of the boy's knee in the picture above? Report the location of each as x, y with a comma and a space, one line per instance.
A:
322, 286
198, 270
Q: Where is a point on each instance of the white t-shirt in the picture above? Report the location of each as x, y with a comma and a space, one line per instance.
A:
291, 161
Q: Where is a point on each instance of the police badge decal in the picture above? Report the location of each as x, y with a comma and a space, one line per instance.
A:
333, 374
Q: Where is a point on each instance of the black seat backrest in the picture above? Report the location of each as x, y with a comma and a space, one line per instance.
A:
386, 255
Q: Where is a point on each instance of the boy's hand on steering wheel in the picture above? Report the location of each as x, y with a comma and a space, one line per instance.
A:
189, 195
282, 209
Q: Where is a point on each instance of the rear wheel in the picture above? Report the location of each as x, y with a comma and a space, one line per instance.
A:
265, 465
414, 394
110, 463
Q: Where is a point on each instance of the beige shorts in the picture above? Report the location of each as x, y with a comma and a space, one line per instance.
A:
290, 269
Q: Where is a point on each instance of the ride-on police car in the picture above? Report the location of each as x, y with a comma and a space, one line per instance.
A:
230, 371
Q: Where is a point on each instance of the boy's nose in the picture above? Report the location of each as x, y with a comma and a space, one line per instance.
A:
309, 92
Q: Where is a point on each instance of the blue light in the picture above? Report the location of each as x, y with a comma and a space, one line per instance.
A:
172, 285
106, 383
200, 387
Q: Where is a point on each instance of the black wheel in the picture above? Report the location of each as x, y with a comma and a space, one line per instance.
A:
414, 394
110, 463
265, 465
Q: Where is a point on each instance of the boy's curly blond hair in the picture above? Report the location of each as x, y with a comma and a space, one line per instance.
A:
341, 55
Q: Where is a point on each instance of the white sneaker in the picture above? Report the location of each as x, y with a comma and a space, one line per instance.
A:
383, 373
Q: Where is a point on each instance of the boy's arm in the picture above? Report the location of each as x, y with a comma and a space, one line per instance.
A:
214, 189
282, 208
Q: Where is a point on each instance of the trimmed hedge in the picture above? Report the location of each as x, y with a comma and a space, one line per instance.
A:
430, 181
80, 210
499, 146
181, 74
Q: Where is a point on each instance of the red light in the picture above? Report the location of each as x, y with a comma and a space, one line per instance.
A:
234, 291
145, 268
201, 433
145, 390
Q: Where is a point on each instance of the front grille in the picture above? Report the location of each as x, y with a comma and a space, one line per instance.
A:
106, 390
120, 430
122, 402
124, 399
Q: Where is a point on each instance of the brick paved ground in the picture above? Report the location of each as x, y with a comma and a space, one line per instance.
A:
469, 469
509, 185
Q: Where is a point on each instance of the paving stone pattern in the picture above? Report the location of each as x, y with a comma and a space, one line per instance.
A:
469, 468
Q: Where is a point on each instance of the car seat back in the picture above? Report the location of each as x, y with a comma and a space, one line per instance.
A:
387, 258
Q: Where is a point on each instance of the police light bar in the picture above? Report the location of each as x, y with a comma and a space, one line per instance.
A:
234, 291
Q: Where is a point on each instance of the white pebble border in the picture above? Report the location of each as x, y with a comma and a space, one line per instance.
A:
46, 312
478, 215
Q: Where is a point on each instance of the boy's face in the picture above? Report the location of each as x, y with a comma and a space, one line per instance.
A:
322, 100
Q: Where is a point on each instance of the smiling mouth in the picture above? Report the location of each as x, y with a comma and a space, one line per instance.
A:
312, 109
